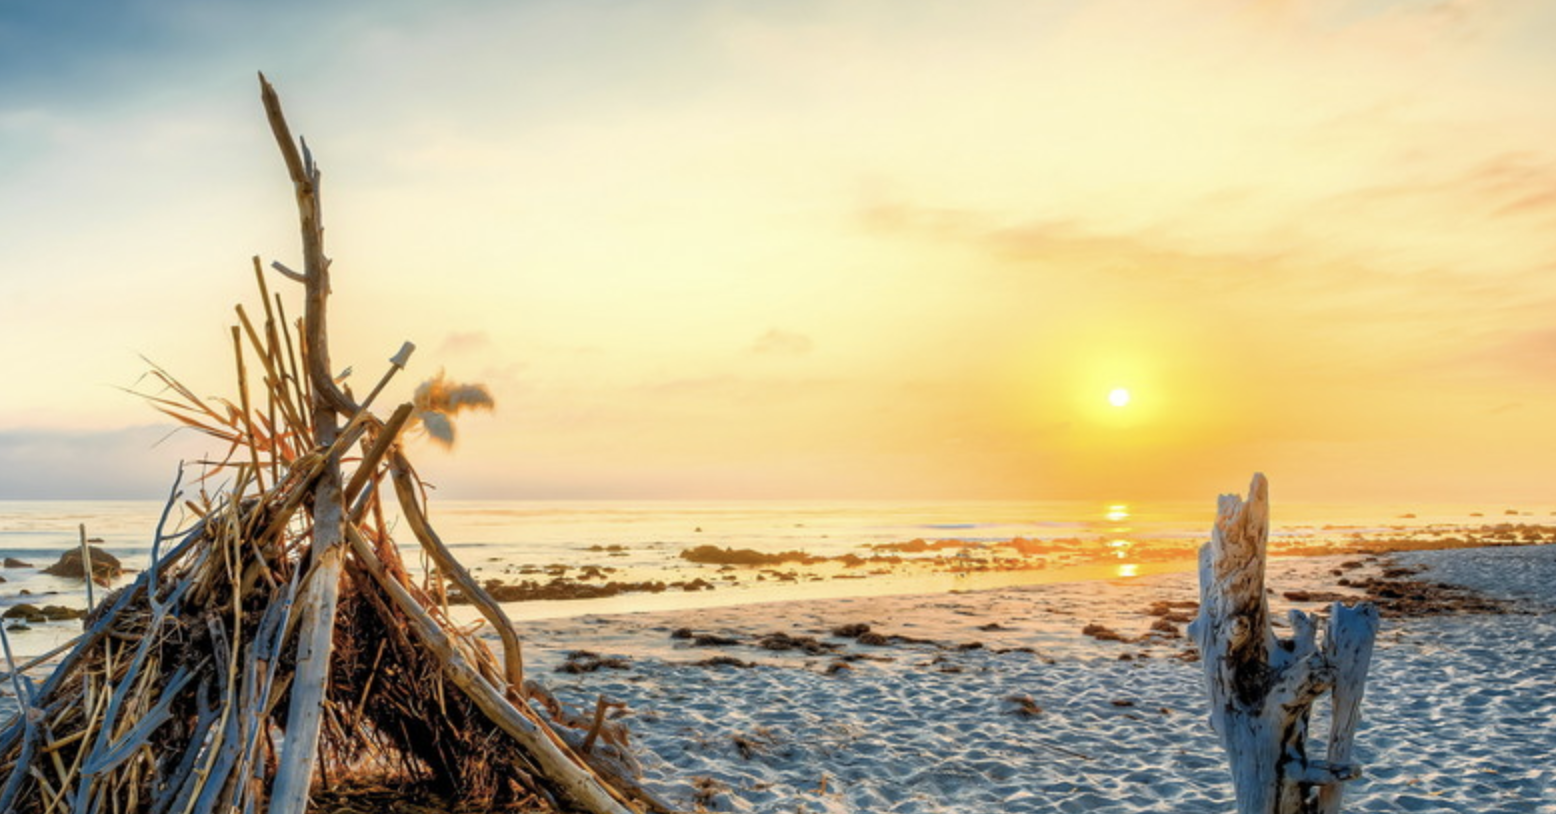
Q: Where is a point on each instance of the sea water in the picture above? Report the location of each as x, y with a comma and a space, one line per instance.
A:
642, 540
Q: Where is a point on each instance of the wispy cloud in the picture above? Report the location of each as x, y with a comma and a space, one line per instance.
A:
778, 342
124, 463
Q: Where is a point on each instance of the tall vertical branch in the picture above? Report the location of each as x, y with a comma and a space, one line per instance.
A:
289, 794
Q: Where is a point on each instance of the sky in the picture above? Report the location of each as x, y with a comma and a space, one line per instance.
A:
812, 249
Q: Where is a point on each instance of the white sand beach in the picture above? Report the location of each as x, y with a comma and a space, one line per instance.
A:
1006, 706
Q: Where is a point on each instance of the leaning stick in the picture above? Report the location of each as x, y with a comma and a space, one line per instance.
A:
578, 784
410, 506
86, 565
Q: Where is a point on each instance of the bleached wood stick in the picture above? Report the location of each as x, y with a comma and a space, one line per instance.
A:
86, 563
289, 793
1348, 646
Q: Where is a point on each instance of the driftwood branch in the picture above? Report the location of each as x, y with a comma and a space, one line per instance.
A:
581, 786
289, 794
288, 273
410, 505
1262, 688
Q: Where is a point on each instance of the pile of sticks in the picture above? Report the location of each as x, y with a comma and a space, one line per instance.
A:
280, 641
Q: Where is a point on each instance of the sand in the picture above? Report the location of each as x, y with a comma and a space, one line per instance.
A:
997, 701
1033, 715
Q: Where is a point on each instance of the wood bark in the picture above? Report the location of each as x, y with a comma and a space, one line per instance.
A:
1262, 687
289, 794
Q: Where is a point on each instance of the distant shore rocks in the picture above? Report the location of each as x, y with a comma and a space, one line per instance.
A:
12, 562
105, 566
47, 613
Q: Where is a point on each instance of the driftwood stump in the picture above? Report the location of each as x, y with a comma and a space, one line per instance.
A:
1262, 688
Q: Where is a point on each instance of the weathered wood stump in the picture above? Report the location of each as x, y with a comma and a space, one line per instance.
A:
1262, 688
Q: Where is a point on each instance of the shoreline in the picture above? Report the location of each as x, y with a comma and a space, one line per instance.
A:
1000, 701
1009, 700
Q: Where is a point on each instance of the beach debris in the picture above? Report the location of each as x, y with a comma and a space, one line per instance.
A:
71, 565
723, 661
706, 791
280, 643
1173, 611
1022, 705
588, 661
1102, 633
703, 639
1411, 597
753, 743
560, 588
1262, 688
714, 555
780, 641
875, 639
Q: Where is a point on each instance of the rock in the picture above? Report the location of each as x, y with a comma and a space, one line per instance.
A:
105, 566
60, 613
12, 562
782, 641
25, 612
585, 661
723, 661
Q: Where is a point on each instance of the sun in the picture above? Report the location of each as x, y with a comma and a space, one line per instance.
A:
1119, 397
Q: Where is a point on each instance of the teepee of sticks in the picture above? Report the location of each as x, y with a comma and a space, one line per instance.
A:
281, 642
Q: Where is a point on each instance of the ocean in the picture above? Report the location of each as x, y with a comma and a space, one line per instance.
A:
642, 540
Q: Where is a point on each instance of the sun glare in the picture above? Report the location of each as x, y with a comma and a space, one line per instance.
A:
1119, 397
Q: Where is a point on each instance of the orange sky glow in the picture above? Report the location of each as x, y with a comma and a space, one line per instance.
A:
820, 249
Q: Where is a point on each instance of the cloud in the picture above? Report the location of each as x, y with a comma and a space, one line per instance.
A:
113, 464
778, 342
460, 342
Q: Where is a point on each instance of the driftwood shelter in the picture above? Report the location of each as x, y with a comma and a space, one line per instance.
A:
281, 642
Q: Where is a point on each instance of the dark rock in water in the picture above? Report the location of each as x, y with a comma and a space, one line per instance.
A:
2, 579
105, 566
25, 612
12, 562
60, 612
